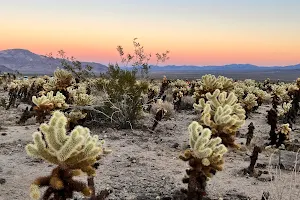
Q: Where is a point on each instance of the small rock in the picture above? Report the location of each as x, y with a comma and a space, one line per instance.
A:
260, 165
266, 178
3, 134
2, 181
175, 145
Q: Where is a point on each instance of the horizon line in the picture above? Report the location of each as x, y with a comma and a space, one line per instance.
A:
188, 65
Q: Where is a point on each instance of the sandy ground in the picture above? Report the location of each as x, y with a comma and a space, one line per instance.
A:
145, 165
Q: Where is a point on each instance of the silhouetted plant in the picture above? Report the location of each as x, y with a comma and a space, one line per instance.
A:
139, 59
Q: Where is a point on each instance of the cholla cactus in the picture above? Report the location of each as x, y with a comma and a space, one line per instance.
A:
83, 100
63, 78
249, 102
50, 85
72, 153
283, 135
249, 82
179, 83
222, 114
293, 87
298, 82
262, 96
75, 115
154, 88
13, 85
45, 104
40, 81
239, 92
279, 91
58, 100
209, 83
286, 106
285, 128
205, 159
79, 96
81, 89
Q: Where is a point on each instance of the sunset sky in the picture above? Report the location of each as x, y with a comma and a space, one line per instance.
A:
197, 32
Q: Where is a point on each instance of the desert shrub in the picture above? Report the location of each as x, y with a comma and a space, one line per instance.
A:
123, 103
187, 103
168, 106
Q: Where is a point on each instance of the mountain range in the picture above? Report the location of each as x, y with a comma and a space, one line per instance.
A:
26, 62
214, 68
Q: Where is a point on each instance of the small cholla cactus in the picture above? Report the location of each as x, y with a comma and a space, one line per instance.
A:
73, 154
165, 105
158, 117
249, 102
63, 78
253, 158
286, 106
75, 117
205, 158
250, 133
45, 104
283, 135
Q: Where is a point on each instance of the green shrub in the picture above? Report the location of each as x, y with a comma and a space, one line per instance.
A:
122, 104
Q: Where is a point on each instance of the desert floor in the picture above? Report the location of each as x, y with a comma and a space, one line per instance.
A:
145, 165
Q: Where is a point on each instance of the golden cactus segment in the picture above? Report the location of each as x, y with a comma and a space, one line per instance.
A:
35, 192
285, 128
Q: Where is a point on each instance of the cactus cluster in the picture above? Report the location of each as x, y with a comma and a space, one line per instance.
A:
210, 83
222, 114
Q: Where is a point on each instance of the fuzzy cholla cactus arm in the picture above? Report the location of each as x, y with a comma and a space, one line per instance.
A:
73, 154
205, 158
222, 114
63, 79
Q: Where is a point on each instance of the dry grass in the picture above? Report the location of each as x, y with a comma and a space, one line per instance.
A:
284, 187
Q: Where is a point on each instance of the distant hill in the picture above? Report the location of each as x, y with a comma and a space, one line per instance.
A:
5, 69
27, 62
